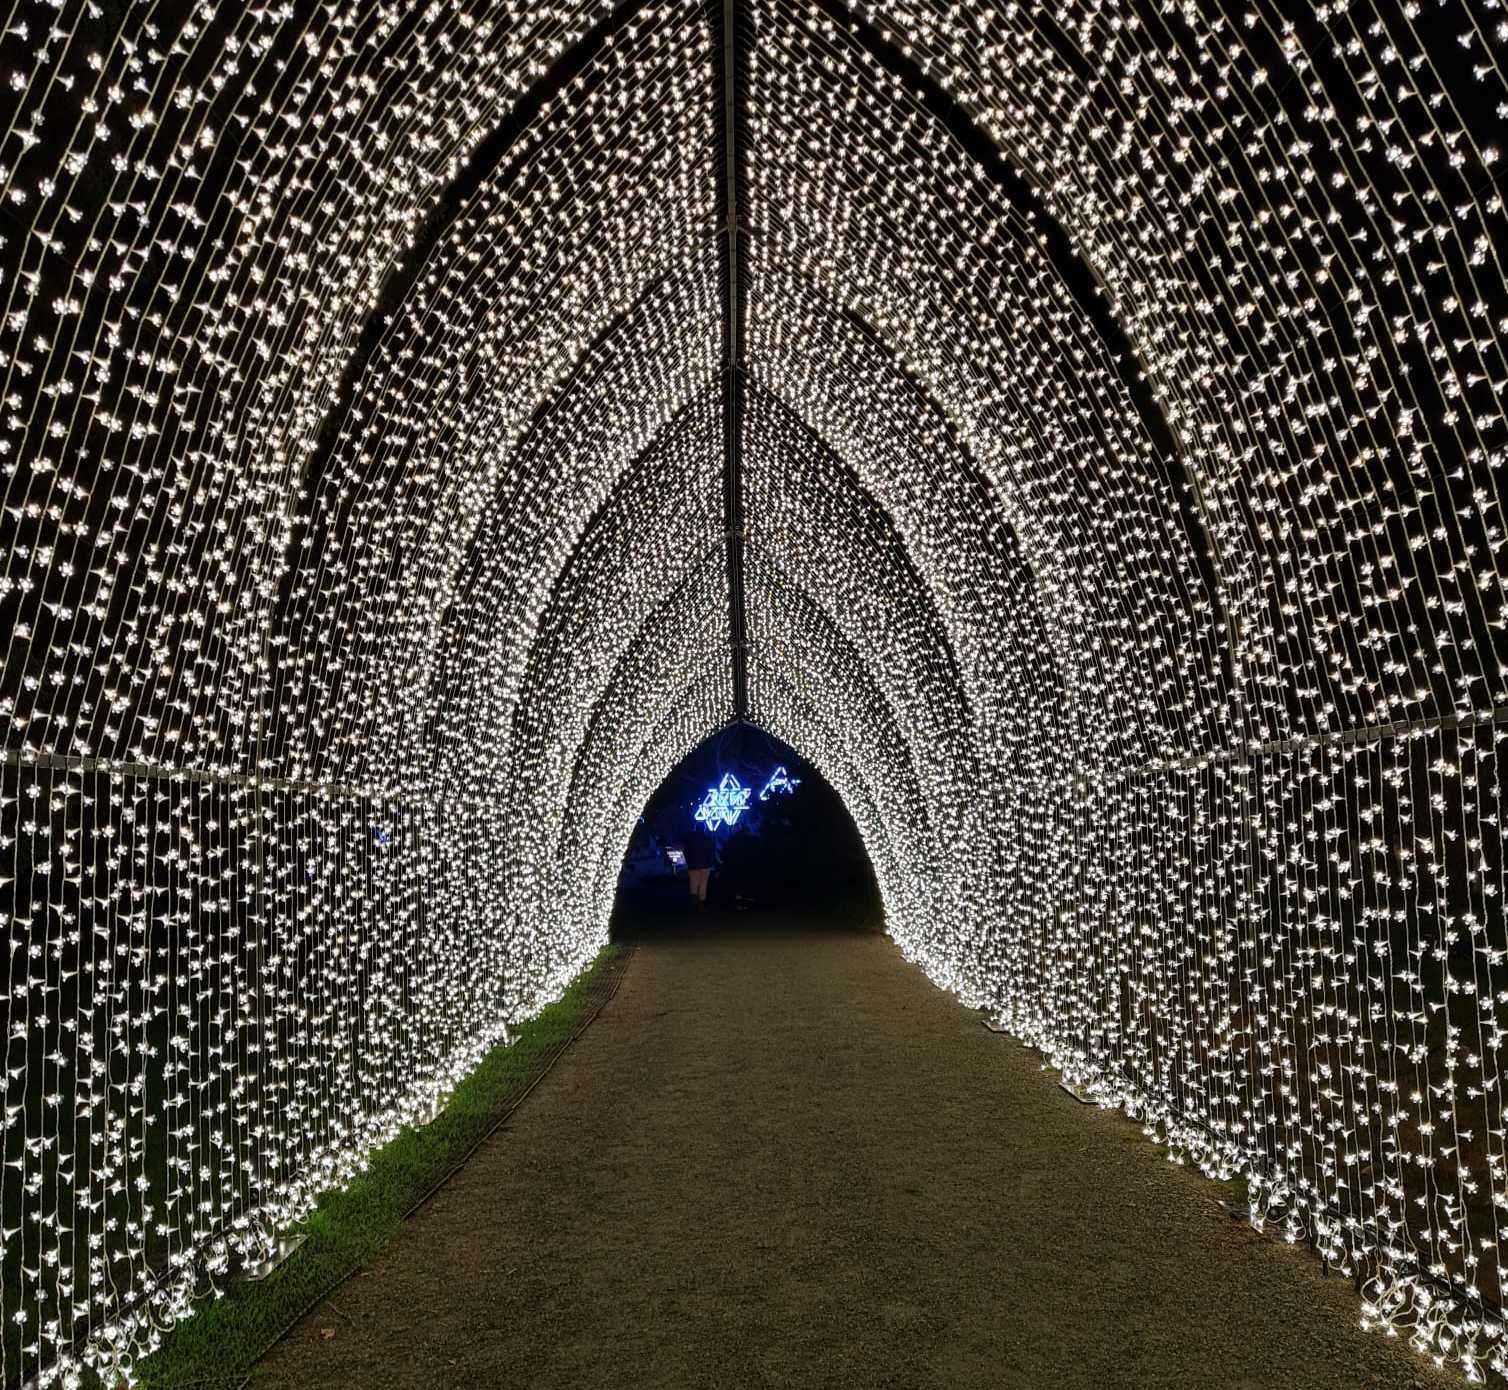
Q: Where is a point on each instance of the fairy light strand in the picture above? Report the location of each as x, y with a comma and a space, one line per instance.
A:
363, 575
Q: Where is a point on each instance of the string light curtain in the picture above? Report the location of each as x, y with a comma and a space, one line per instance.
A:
1120, 533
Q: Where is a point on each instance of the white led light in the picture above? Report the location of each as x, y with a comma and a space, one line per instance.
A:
1122, 444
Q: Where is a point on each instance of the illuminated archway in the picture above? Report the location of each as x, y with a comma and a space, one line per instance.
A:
1080, 434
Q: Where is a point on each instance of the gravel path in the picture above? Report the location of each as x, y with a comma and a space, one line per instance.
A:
780, 1157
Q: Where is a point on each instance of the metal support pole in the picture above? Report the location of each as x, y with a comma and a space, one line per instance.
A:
733, 385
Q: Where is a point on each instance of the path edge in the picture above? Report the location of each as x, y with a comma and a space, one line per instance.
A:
607, 971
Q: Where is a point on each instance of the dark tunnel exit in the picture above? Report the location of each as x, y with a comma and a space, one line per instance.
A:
772, 831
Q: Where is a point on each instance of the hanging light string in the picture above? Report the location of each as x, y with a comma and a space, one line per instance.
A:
1122, 430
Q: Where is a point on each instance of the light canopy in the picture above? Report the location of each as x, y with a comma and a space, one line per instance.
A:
1117, 403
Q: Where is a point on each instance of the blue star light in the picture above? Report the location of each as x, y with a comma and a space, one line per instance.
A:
724, 803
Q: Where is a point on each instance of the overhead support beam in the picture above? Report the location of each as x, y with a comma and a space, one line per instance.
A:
731, 52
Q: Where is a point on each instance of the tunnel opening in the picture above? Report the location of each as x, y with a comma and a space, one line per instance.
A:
775, 837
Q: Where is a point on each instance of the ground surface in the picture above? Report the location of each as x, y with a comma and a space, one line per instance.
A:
780, 1157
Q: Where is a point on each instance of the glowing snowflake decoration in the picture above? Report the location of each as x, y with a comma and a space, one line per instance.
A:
780, 781
724, 803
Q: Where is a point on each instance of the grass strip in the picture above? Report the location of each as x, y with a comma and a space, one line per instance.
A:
225, 1338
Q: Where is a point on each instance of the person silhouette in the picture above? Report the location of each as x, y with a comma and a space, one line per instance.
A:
701, 858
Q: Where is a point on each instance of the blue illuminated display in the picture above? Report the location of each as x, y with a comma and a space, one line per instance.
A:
724, 803
729, 799
780, 781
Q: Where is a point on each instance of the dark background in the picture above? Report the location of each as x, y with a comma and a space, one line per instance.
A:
798, 852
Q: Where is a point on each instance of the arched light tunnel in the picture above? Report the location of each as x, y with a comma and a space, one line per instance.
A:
1079, 432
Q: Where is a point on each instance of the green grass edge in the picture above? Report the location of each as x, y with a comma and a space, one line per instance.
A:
227, 1335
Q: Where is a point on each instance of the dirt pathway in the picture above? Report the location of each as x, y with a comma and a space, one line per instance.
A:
780, 1157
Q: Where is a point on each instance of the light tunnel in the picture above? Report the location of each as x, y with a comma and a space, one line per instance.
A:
1080, 433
